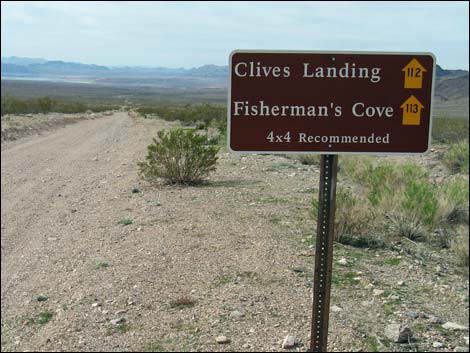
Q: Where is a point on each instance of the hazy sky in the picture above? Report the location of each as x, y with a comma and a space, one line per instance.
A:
190, 34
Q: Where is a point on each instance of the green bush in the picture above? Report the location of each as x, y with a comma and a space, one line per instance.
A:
420, 200
179, 157
456, 158
380, 182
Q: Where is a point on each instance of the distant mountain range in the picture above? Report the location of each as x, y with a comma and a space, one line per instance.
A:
21, 67
16, 66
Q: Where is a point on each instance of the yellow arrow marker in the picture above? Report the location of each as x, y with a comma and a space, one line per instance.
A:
414, 74
412, 111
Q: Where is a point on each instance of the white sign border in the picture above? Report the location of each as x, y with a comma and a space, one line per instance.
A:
326, 52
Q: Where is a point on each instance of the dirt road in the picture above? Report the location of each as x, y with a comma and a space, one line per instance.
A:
63, 195
229, 258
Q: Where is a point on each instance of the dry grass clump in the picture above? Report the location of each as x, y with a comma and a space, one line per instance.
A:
456, 157
407, 226
460, 246
453, 197
308, 159
184, 301
354, 221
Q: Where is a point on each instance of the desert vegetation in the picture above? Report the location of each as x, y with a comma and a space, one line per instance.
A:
13, 105
179, 156
200, 116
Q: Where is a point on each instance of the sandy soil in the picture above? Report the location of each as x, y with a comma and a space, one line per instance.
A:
237, 249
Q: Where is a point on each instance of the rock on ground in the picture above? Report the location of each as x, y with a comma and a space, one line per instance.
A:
398, 333
288, 342
454, 327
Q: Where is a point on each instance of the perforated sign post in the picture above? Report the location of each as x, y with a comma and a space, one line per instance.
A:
329, 103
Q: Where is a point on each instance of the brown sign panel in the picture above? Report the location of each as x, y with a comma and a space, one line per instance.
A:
330, 103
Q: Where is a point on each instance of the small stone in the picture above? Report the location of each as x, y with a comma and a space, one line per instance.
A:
336, 309
377, 292
222, 340
434, 319
95, 159
117, 321
235, 315
95, 305
288, 342
401, 283
120, 312
437, 345
394, 297
397, 333
453, 326
412, 314
343, 261
299, 269
42, 298
466, 340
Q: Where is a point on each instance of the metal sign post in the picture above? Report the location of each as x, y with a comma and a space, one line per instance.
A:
324, 253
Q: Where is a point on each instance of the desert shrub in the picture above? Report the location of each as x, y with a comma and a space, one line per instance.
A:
420, 200
460, 246
187, 114
456, 158
13, 105
354, 167
449, 130
179, 157
454, 200
353, 221
308, 159
221, 126
45, 104
406, 225
380, 180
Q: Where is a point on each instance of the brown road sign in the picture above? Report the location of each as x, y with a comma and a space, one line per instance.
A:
330, 102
